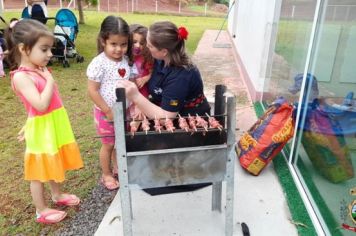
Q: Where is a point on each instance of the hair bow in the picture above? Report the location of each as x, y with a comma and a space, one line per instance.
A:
182, 33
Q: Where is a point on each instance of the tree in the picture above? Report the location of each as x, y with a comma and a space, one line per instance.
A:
80, 10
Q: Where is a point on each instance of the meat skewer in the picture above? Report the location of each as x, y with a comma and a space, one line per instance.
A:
192, 123
157, 125
213, 123
201, 122
183, 123
134, 126
168, 123
145, 124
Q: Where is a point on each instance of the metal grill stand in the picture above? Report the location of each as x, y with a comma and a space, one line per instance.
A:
212, 163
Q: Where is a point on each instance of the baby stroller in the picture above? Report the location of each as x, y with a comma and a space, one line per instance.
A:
65, 32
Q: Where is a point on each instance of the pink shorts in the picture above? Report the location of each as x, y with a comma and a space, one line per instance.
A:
104, 128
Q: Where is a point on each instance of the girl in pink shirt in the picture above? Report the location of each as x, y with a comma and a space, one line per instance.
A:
142, 57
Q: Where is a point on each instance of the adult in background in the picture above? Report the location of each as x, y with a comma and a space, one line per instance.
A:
37, 9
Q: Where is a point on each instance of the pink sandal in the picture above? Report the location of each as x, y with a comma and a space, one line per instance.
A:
68, 200
43, 217
110, 185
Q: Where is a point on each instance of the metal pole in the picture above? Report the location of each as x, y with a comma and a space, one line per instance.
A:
61, 4
70, 3
222, 25
156, 6
205, 8
127, 6
121, 157
230, 166
132, 6
179, 6
98, 5
2, 7
347, 13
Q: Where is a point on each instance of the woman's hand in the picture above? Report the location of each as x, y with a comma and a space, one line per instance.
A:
131, 90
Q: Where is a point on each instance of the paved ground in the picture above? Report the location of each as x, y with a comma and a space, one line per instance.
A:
259, 201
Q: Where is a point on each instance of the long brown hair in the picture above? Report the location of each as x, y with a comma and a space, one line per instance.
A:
115, 25
164, 35
27, 32
142, 30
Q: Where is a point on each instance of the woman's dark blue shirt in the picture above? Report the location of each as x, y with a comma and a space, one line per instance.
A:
178, 89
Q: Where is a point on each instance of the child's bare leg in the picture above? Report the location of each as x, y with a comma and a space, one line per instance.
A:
37, 193
114, 162
60, 197
105, 158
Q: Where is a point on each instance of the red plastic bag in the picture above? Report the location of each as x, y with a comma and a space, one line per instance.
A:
266, 138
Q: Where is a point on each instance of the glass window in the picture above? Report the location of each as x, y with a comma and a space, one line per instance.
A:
324, 156
291, 48
327, 144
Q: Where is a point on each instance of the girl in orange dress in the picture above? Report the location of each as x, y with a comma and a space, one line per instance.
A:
50, 145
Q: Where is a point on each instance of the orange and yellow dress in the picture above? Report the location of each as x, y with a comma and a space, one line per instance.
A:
51, 148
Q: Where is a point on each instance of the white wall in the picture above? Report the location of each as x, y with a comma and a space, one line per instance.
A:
254, 29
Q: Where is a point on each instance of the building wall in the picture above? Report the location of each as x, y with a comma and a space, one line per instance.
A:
251, 25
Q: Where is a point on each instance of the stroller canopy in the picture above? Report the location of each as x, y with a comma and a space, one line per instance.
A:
66, 18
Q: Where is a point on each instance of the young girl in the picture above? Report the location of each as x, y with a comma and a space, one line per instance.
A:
108, 67
50, 145
142, 57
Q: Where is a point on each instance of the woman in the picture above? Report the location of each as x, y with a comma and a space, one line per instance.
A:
176, 85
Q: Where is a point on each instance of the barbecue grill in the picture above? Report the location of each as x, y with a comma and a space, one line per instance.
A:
160, 159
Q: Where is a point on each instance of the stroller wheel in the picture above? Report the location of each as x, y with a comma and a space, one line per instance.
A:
65, 63
80, 59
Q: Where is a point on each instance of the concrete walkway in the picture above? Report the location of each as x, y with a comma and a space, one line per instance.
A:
259, 201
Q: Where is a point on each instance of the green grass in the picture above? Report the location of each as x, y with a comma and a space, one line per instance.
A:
16, 212
291, 42
201, 9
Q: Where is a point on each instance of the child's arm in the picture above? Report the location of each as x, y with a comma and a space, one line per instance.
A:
140, 82
21, 134
25, 85
93, 92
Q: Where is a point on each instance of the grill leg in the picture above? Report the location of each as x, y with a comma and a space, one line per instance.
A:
230, 166
121, 156
216, 196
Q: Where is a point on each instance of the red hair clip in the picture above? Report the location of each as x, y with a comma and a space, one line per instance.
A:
182, 33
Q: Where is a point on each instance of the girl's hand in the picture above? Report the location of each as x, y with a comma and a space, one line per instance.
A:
140, 82
21, 134
45, 73
109, 115
131, 89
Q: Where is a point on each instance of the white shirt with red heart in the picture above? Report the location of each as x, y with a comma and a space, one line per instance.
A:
107, 72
